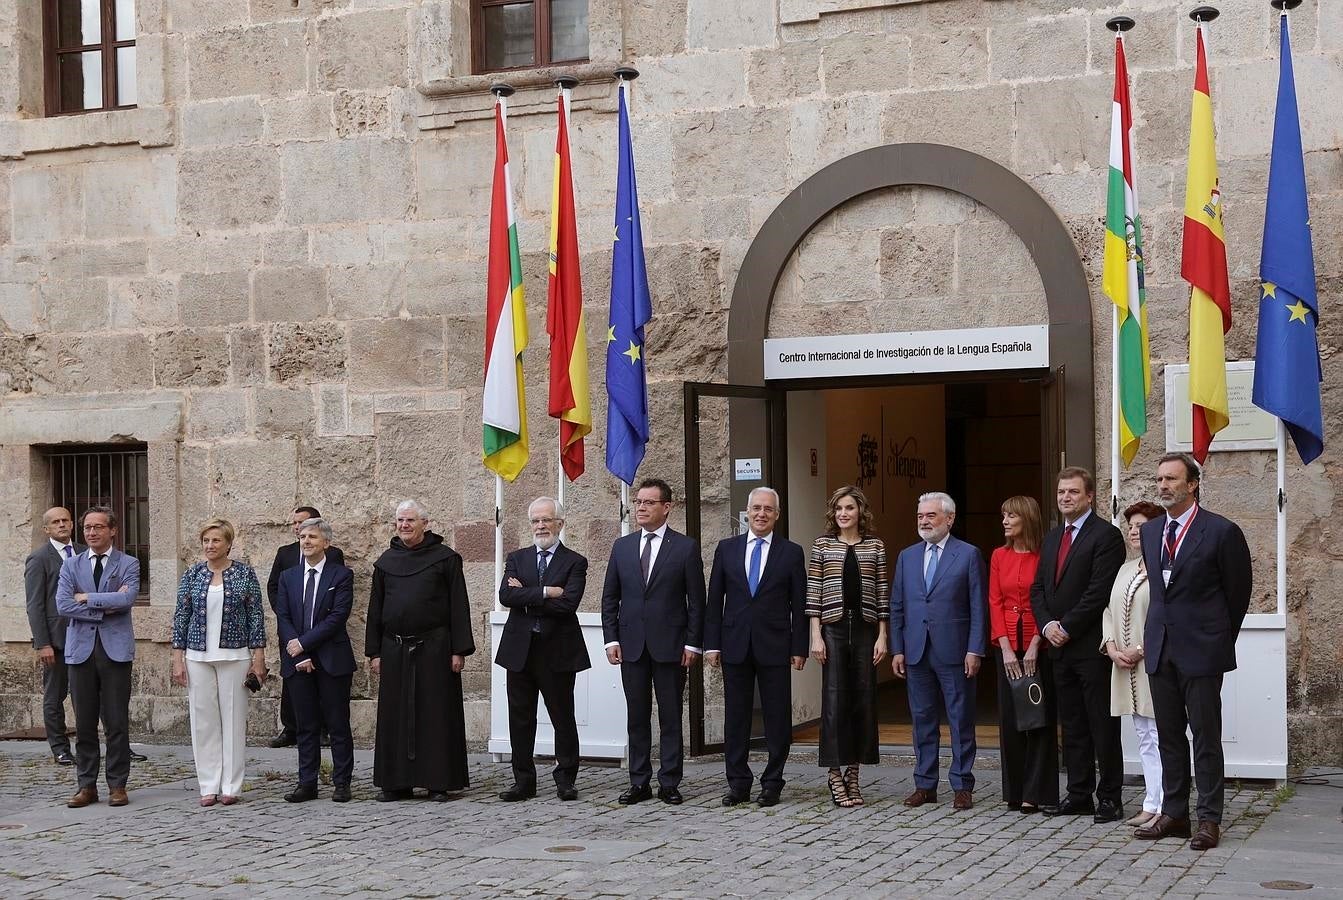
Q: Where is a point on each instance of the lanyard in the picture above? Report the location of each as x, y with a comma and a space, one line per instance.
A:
1173, 548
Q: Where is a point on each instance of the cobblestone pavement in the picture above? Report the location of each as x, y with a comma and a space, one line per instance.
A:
164, 845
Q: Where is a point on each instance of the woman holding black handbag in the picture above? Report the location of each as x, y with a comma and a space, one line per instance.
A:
1026, 719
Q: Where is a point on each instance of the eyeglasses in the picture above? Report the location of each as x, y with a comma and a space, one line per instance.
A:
548, 520
97, 528
640, 502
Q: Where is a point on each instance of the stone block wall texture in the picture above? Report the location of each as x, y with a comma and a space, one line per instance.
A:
286, 243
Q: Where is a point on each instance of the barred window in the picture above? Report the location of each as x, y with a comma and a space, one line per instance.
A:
113, 475
522, 34
89, 54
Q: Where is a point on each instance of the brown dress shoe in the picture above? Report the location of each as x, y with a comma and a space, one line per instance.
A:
82, 798
1163, 826
963, 800
920, 797
1206, 837
117, 797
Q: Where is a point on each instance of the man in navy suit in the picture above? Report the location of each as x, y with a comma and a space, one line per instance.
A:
939, 619
316, 660
41, 571
286, 558
1200, 578
95, 592
755, 627
653, 622
1078, 563
542, 648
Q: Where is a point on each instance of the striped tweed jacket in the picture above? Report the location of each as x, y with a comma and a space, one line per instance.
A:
825, 578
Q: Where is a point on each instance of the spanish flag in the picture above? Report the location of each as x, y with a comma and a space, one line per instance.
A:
1203, 265
504, 413
569, 401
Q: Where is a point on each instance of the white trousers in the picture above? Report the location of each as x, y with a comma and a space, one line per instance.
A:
1151, 762
218, 723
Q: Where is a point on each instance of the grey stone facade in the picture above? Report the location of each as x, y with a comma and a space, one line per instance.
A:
272, 271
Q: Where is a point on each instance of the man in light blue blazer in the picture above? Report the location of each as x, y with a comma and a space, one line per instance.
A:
939, 629
95, 592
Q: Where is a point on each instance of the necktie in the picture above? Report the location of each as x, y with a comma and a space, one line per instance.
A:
646, 558
1168, 547
309, 594
542, 562
68, 552
1064, 546
753, 573
932, 568
98, 570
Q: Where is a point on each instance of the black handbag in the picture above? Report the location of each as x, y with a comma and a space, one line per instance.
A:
1028, 702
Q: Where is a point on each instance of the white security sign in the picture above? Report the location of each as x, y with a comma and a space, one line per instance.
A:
908, 352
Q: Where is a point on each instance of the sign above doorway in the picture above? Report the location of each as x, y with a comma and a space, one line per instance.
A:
908, 352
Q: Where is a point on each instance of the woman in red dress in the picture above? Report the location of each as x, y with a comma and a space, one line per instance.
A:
1030, 759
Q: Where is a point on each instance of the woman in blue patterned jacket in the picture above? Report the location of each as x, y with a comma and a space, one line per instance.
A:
219, 641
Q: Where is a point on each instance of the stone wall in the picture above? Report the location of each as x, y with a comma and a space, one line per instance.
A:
285, 244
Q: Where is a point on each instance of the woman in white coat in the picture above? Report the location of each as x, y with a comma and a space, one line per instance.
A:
1121, 640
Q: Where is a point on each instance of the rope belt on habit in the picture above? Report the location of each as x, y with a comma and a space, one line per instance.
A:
410, 645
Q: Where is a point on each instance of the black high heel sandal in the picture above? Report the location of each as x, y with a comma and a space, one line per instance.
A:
851, 786
839, 792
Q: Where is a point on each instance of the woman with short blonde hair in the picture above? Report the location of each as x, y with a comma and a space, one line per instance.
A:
219, 640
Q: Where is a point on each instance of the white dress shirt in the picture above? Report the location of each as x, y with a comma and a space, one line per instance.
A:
764, 551
60, 548
309, 567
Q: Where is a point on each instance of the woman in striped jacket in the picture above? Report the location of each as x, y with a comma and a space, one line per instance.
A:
847, 590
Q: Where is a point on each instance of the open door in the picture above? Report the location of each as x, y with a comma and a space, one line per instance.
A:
1053, 443
734, 442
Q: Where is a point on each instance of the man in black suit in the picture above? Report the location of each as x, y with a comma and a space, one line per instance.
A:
316, 659
1078, 563
287, 557
653, 622
755, 627
542, 648
1200, 579
41, 571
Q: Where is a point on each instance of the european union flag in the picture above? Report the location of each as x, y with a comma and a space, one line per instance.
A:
631, 308
1287, 372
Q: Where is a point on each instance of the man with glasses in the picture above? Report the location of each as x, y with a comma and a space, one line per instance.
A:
653, 623
542, 648
95, 592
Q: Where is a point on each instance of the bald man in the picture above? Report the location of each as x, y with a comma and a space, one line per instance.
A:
41, 571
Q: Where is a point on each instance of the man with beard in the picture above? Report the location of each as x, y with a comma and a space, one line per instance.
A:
542, 648
417, 640
1071, 591
1198, 603
939, 631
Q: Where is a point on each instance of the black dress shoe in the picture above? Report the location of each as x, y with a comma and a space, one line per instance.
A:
302, 794
1071, 806
138, 757
64, 758
1107, 811
732, 798
518, 792
438, 796
670, 796
635, 795
767, 798
283, 739
386, 796
341, 794
567, 792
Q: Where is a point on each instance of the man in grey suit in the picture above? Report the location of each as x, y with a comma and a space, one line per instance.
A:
41, 570
95, 592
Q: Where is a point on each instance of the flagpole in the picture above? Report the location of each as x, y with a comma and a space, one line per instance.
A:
624, 75
501, 92
1119, 25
